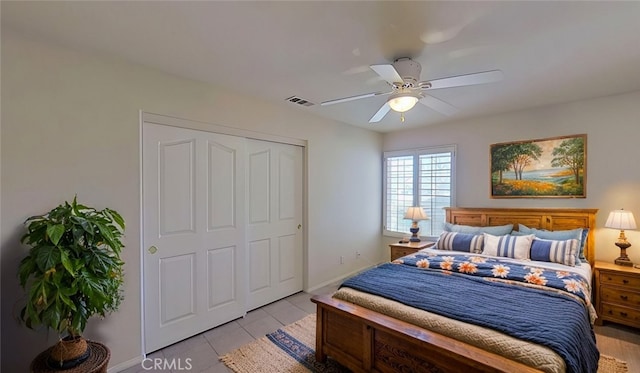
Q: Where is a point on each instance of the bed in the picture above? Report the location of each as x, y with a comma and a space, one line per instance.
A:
363, 339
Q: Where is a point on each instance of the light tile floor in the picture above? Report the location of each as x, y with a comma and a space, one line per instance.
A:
205, 348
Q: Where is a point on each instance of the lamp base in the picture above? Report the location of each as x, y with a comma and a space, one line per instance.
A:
414, 234
622, 261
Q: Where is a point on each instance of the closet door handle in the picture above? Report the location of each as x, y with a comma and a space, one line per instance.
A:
299, 226
152, 249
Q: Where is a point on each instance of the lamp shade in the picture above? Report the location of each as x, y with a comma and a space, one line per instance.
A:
620, 219
415, 213
402, 103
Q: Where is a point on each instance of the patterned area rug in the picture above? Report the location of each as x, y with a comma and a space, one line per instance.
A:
290, 349
610, 364
286, 350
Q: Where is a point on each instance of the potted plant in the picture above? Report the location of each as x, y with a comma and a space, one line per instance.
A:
73, 271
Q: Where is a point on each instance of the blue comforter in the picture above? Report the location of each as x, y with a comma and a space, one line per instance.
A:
543, 306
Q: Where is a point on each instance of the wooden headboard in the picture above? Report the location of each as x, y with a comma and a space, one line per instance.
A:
541, 218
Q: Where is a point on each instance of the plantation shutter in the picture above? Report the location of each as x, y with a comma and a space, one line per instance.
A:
423, 177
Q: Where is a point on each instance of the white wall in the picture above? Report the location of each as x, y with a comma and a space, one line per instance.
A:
612, 125
70, 126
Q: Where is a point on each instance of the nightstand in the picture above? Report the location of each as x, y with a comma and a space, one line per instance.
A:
617, 296
402, 249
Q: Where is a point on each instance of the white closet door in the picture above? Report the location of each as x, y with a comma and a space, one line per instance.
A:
194, 232
274, 229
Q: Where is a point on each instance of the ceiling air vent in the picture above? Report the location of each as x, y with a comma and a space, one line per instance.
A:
300, 101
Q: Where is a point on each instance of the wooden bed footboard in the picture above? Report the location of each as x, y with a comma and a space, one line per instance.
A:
365, 341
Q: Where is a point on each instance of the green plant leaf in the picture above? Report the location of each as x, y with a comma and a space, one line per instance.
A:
66, 300
33, 219
27, 268
66, 262
78, 319
78, 233
47, 257
84, 223
38, 294
53, 315
55, 232
37, 234
116, 218
107, 234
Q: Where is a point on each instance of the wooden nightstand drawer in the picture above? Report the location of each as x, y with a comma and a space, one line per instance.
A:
620, 297
402, 249
621, 314
611, 278
397, 252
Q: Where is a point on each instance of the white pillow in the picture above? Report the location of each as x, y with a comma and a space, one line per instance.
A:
517, 247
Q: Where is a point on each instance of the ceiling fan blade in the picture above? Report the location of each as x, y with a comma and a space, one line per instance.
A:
381, 113
388, 73
438, 105
468, 79
351, 98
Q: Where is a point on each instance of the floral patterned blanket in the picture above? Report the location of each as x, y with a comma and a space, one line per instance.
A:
548, 307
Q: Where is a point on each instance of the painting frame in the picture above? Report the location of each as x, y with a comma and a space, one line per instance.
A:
554, 167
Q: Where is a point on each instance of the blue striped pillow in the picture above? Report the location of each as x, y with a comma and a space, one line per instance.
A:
470, 243
563, 252
517, 247
579, 234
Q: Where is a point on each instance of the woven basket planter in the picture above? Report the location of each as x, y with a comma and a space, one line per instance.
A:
96, 361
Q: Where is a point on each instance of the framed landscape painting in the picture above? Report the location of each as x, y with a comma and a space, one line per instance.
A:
543, 168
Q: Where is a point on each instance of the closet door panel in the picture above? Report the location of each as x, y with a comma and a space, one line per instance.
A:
275, 210
193, 250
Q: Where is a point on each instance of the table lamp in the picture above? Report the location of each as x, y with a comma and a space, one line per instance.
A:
415, 213
621, 219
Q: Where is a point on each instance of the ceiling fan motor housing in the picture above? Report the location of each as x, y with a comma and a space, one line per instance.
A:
409, 70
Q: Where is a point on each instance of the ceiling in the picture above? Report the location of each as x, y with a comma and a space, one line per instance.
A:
549, 52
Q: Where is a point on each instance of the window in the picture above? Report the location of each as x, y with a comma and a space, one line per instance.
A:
422, 177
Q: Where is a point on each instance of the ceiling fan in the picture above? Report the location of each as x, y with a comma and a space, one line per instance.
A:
407, 89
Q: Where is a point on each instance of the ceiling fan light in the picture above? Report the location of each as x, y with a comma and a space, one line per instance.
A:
402, 103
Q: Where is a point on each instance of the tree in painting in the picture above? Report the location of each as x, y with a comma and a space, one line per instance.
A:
500, 160
513, 156
525, 153
570, 154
